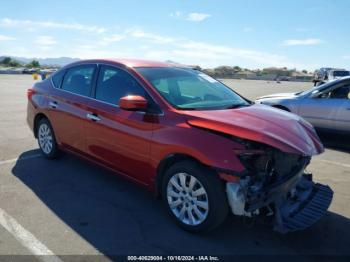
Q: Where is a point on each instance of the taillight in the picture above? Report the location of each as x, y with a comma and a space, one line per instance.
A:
30, 93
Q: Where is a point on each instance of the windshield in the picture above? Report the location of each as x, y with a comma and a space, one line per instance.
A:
189, 89
341, 73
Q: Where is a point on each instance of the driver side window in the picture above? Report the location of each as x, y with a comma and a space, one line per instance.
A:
114, 83
341, 92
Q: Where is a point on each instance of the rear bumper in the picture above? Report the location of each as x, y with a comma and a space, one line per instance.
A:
30, 115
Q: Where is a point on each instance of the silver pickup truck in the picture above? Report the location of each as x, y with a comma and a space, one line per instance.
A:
327, 74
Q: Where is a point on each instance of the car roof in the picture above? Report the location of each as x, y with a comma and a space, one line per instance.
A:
325, 85
332, 82
131, 62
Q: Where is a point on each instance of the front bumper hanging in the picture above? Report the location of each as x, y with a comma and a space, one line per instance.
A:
295, 202
309, 203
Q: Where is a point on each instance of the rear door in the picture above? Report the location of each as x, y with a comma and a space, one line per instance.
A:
118, 138
68, 106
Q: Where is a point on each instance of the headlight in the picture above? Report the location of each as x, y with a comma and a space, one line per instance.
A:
256, 160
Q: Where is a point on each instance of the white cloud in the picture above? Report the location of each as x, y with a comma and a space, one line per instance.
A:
346, 57
144, 44
197, 17
181, 50
308, 41
193, 17
14, 23
111, 39
45, 40
158, 39
211, 55
210, 51
6, 38
95, 51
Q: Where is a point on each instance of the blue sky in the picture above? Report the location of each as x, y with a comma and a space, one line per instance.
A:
304, 34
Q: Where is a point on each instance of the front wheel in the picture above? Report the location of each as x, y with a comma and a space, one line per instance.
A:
194, 196
46, 139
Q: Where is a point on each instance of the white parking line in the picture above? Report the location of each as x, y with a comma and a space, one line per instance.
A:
334, 163
19, 159
26, 238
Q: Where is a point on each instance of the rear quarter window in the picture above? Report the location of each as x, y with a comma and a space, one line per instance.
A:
57, 78
79, 79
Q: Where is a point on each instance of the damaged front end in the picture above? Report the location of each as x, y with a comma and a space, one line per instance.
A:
276, 185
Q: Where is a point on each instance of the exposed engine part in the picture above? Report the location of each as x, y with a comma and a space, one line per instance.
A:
295, 204
236, 195
263, 160
275, 185
236, 198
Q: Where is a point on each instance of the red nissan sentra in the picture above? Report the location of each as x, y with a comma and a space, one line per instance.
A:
201, 147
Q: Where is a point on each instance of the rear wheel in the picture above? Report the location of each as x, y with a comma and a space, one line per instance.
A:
46, 139
194, 196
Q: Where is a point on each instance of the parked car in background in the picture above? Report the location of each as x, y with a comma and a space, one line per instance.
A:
326, 106
193, 141
30, 71
337, 74
327, 74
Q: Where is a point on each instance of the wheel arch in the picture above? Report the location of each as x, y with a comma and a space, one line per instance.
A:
37, 119
165, 164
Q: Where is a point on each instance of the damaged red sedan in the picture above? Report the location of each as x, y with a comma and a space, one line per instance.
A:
201, 147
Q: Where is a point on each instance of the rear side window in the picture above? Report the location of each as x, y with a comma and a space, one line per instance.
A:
57, 78
114, 83
79, 79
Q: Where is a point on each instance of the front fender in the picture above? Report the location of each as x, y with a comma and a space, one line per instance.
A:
208, 148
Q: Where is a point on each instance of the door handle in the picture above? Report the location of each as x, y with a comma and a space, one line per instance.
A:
93, 117
53, 104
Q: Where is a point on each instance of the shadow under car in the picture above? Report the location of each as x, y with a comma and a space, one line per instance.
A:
118, 217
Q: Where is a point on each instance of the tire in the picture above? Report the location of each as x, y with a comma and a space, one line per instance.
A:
46, 139
196, 211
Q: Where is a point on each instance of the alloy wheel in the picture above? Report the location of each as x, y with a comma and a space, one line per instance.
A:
187, 199
45, 138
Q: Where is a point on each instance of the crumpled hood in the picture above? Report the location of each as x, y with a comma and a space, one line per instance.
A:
280, 95
264, 124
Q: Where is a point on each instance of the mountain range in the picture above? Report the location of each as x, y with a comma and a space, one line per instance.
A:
59, 61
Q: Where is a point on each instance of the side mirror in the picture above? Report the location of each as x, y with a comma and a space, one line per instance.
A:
133, 103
